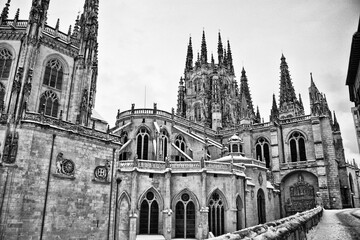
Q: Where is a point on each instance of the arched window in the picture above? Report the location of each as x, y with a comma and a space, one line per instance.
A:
180, 143
263, 151
164, 139
297, 147
123, 155
53, 74
142, 139
261, 206
49, 104
185, 217
149, 215
197, 112
239, 207
2, 96
216, 214
5, 63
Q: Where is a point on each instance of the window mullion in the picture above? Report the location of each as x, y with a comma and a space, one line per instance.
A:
297, 150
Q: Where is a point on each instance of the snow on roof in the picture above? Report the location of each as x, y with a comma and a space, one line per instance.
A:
95, 115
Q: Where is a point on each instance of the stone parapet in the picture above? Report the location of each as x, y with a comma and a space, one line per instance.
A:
292, 227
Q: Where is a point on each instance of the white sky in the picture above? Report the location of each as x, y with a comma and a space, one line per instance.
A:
144, 42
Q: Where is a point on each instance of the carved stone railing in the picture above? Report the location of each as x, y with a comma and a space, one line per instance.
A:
51, 31
37, 118
295, 119
299, 164
253, 162
178, 166
19, 23
289, 228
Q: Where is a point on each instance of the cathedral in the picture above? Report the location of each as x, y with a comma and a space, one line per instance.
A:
210, 167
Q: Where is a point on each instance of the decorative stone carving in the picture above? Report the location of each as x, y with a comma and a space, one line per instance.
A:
64, 167
10, 148
101, 173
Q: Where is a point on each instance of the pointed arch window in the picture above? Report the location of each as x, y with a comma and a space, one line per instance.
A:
164, 140
297, 147
5, 63
262, 148
2, 96
261, 206
49, 104
216, 214
53, 76
180, 143
239, 207
149, 215
142, 139
185, 217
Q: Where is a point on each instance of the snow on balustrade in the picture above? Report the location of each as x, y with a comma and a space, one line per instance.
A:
185, 165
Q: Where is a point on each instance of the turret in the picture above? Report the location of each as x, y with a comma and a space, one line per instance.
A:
318, 103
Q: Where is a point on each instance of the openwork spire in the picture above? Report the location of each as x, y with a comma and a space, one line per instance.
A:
289, 106
203, 49
246, 105
220, 50
318, 103
5, 11
287, 91
189, 57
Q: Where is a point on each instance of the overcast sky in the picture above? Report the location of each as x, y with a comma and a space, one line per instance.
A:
143, 43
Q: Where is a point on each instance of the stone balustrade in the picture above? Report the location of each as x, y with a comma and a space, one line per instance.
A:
179, 166
294, 227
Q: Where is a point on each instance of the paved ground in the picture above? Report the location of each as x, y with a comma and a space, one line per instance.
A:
337, 225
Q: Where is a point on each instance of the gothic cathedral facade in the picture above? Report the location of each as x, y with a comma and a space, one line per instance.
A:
212, 166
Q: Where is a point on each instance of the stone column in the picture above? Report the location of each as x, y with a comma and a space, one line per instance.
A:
203, 228
133, 213
167, 212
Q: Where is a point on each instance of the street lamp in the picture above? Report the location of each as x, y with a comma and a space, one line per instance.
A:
118, 181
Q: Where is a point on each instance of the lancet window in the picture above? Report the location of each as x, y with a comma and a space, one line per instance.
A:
180, 143
149, 214
164, 139
262, 147
53, 76
197, 112
297, 147
2, 96
216, 214
5, 63
49, 103
185, 217
142, 139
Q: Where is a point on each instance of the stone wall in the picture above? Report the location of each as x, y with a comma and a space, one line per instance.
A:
292, 227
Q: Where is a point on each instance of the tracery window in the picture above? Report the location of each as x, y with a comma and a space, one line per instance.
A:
297, 147
49, 104
142, 139
53, 76
185, 217
263, 151
180, 143
164, 139
5, 63
216, 214
149, 215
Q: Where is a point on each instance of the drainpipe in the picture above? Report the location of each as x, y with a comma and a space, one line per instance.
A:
111, 190
47, 188
118, 181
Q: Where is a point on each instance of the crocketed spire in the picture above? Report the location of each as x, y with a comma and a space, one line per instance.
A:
203, 56
5, 11
229, 59
246, 105
274, 114
220, 50
189, 57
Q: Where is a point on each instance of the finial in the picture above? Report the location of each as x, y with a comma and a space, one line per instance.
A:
5, 12
17, 14
282, 56
69, 31
57, 24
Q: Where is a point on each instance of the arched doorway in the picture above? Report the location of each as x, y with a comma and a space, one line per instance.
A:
149, 215
185, 217
239, 207
261, 206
